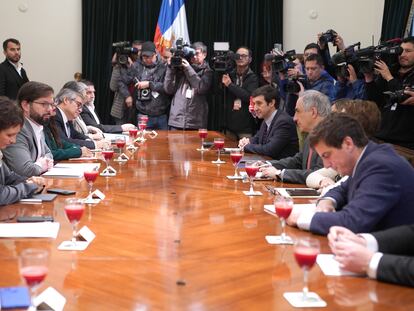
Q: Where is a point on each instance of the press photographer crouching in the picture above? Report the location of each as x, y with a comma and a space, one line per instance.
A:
149, 96
189, 84
397, 113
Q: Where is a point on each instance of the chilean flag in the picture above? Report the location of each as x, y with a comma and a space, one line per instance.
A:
172, 24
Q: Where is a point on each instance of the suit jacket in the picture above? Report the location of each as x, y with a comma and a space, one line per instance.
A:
397, 263
281, 140
12, 186
378, 196
295, 168
10, 80
67, 151
88, 118
22, 155
75, 137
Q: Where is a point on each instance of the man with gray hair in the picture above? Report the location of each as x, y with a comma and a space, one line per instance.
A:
311, 108
69, 107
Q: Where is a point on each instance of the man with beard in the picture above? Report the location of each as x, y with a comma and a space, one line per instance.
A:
190, 85
12, 75
30, 156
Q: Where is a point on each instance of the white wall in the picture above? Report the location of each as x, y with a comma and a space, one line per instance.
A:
50, 32
354, 20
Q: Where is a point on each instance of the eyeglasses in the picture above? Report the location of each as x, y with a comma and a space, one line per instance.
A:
244, 56
46, 105
78, 103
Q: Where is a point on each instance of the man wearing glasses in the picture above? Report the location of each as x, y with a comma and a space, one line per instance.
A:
30, 156
240, 84
69, 104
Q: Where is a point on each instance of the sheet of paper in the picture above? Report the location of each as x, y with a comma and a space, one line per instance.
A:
74, 170
330, 266
30, 230
113, 137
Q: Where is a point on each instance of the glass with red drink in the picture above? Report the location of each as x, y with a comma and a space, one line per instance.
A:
251, 169
202, 133
306, 251
283, 208
33, 266
133, 133
74, 208
218, 144
90, 177
236, 155
107, 154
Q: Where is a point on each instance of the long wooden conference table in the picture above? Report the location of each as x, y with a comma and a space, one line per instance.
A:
173, 233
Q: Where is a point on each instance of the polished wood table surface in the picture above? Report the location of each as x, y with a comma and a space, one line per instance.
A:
173, 233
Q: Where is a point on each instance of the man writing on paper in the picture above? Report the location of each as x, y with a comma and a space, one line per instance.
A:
277, 137
378, 193
310, 109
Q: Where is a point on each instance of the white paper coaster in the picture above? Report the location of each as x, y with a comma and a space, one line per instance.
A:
218, 162
50, 299
277, 239
296, 300
69, 246
254, 193
232, 177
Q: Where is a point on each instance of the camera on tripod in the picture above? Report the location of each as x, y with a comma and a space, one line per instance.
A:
182, 50
223, 59
123, 50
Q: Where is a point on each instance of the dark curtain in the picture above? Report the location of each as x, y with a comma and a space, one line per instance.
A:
395, 18
253, 23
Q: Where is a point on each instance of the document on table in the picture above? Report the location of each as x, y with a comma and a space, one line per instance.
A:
330, 266
113, 137
74, 170
29, 230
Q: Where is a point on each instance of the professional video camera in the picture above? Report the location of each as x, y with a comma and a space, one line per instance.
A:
398, 96
292, 86
281, 63
223, 59
328, 36
388, 52
363, 60
181, 50
123, 51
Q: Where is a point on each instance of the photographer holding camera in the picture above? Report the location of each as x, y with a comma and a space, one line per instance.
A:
240, 83
189, 84
397, 113
121, 61
148, 78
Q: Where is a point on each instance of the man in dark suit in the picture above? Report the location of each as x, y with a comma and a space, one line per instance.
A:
90, 117
311, 108
379, 191
277, 137
384, 255
69, 107
12, 75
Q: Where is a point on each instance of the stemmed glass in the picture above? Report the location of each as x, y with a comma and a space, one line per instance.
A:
283, 208
133, 133
219, 144
33, 266
202, 133
74, 208
90, 177
236, 155
142, 125
120, 144
251, 168
107, 154
306, 251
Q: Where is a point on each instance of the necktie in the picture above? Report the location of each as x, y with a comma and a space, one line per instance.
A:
308, 163
68, 129
265, 133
